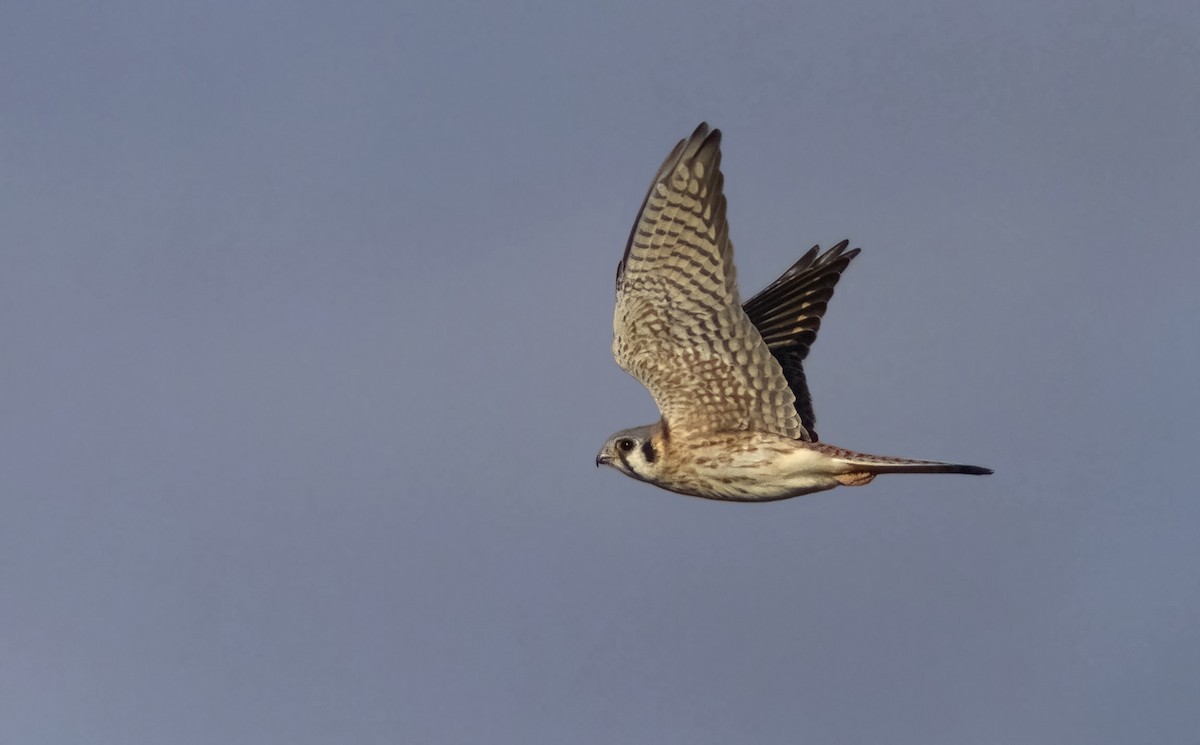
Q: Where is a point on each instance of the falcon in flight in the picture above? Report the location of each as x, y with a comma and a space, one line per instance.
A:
728, 378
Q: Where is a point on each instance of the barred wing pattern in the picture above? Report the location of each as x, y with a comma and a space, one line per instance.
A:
788, 315
678, 326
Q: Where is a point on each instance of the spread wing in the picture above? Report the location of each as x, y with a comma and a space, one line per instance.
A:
678, 326
788, 314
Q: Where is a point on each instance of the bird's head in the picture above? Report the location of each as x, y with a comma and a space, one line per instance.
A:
634, 452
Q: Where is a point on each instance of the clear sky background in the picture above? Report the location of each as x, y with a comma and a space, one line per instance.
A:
305, 312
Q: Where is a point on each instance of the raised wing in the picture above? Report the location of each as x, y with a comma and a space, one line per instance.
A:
678, 326
788, 315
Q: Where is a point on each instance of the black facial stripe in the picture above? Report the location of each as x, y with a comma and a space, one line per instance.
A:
648, 451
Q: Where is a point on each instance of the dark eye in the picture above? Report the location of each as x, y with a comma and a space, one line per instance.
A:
625, 444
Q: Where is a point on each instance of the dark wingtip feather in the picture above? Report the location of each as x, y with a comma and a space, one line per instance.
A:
787, 314
700, 138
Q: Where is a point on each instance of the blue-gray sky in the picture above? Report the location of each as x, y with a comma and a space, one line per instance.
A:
305, 312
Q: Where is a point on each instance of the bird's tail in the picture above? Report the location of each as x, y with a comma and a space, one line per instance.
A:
926, 466
861, 468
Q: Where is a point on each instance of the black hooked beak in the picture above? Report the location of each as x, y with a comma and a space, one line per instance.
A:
603, 459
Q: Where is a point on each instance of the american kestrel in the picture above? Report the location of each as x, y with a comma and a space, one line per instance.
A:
728, 379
